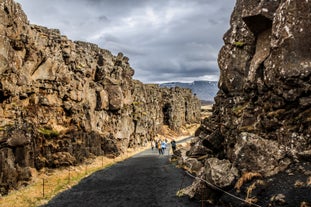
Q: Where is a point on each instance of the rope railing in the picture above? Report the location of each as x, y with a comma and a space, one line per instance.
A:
218, 188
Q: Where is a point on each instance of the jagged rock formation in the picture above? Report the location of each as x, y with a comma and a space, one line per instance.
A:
261, 120
205, 90
63, 101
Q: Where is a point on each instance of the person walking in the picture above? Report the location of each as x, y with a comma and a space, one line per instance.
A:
153, 144
173, 144
159, 147
163, 146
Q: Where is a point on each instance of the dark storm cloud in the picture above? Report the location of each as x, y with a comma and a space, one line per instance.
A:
166, 40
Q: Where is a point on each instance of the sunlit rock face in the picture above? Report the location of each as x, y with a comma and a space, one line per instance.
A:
261, 118
62, 101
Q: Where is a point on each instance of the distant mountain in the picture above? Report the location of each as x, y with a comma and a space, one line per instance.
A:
205, 90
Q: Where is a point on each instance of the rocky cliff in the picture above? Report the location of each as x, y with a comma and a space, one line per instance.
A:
261, 122
62, 101
204, 90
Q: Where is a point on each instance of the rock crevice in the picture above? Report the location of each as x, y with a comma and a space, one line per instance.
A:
63, 101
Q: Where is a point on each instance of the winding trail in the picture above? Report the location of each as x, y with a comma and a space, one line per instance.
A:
145, 180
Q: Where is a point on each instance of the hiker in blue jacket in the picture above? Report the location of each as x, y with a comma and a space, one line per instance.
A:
163, 146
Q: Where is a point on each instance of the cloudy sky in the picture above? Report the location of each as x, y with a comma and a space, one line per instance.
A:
166, 40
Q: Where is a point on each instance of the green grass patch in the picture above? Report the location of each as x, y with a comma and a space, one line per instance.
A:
239, 44
49, 133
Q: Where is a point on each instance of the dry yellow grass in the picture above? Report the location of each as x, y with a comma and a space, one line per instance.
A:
187, 130
299, 184
207, 107
249, 198
206, 111
244, 178
58, 180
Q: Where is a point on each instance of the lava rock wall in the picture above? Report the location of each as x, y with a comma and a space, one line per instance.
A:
63, 101
261, 119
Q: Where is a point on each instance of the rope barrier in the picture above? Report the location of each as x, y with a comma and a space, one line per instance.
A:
218, 188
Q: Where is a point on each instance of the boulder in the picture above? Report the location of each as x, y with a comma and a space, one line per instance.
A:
220, 172
255, 154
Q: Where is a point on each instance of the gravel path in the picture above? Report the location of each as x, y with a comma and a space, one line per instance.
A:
145, 180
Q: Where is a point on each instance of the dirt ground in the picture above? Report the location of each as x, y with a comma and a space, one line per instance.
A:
147, 179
